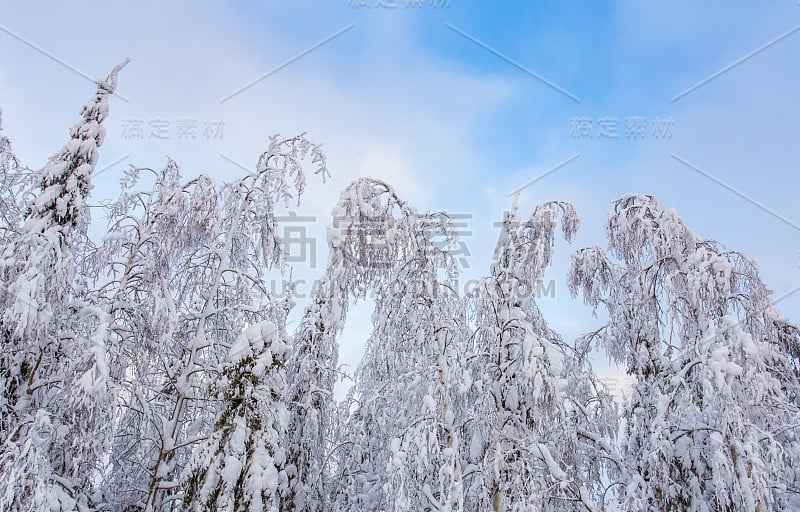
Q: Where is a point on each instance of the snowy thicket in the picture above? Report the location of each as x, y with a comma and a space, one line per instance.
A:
153, 370
185, 269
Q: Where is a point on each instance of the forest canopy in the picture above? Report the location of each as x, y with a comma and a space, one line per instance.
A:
155, 370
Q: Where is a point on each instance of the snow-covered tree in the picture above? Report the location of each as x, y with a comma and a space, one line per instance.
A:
153, 371
188, 268
712, 421
526, 424
400, 434
15, 181
362, 249
55, 386
416, 370
311, 375
239, 467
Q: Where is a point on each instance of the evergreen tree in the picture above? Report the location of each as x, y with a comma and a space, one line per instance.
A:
55, 387
239, 467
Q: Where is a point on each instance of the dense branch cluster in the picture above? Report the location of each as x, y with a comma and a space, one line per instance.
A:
154, 370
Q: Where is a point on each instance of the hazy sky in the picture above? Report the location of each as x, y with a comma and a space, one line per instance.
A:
455, 103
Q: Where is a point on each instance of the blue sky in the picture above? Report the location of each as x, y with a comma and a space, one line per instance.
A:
414, 96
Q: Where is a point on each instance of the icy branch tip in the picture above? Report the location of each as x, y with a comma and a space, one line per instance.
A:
110, 83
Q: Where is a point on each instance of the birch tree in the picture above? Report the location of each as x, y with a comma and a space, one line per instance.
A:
189, 265
401, 442
526, 427
712, 419
361, 252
